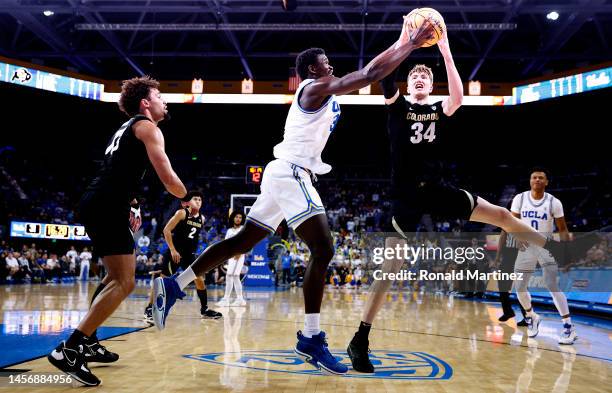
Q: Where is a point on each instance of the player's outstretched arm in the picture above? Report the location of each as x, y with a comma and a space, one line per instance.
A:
389, 88
153, 139
381, 66
455, 87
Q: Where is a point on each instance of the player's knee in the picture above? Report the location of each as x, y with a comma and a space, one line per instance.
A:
322, 253
504, 216
520, 286
127, 286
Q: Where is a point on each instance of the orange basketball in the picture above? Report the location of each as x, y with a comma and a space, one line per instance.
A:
417, 16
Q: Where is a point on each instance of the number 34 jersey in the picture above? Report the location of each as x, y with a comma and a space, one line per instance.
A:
415, 133
125, 163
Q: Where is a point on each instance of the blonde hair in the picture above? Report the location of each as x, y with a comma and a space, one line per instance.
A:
421, 68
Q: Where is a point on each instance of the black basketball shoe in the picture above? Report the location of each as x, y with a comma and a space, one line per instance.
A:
522, 322
96, 352
210, 314
72, 362
506, 317
358, 352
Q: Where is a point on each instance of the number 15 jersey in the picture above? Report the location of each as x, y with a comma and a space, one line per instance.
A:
415, 136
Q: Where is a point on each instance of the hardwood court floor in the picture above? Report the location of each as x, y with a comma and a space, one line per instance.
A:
420, 343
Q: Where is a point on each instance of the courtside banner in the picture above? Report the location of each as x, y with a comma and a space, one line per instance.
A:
259, 274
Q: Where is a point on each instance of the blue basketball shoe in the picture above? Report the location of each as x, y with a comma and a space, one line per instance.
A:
166, 291
314, 351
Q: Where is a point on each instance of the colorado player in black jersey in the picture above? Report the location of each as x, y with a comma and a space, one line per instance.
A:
415, 129
105, 211
182, 233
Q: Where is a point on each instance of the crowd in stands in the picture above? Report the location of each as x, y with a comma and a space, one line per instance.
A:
354, 208
32, 263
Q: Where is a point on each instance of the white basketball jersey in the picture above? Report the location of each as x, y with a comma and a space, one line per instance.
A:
306, 133
539, 214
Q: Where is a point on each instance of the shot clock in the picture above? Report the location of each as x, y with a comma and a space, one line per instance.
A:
254, 174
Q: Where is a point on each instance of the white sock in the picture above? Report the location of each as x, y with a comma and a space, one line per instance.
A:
185, 278
567, 320
238, 286
311, 325
530, 313
229, 285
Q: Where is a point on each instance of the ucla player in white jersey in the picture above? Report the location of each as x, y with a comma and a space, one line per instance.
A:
542, 211
287, 190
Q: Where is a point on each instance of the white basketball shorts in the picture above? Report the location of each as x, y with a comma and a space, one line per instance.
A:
286, 192
527, 260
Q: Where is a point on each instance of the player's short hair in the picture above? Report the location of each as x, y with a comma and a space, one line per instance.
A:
132, 91
233, 215
307, 58
422, 68
540, 169
195, 193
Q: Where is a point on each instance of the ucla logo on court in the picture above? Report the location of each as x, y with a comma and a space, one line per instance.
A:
389, 365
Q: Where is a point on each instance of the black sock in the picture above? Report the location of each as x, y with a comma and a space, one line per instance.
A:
203, 295
364, 330
76, 338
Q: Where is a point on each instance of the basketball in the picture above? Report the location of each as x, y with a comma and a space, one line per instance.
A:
417, 16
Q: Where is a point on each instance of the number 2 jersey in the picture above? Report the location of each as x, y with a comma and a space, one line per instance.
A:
415, 133
124, 166
186, 234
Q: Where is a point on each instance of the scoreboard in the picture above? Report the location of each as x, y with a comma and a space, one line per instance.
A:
254, 174
40, 230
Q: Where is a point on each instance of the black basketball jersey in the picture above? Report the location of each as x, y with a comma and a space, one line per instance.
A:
186, 234
415, 136
124, 166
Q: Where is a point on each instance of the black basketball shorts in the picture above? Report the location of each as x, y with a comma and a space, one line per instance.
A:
169, 267
440, 199
107, 225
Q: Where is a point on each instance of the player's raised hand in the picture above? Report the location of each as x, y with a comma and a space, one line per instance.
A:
404, 37
443, 44
422, 34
